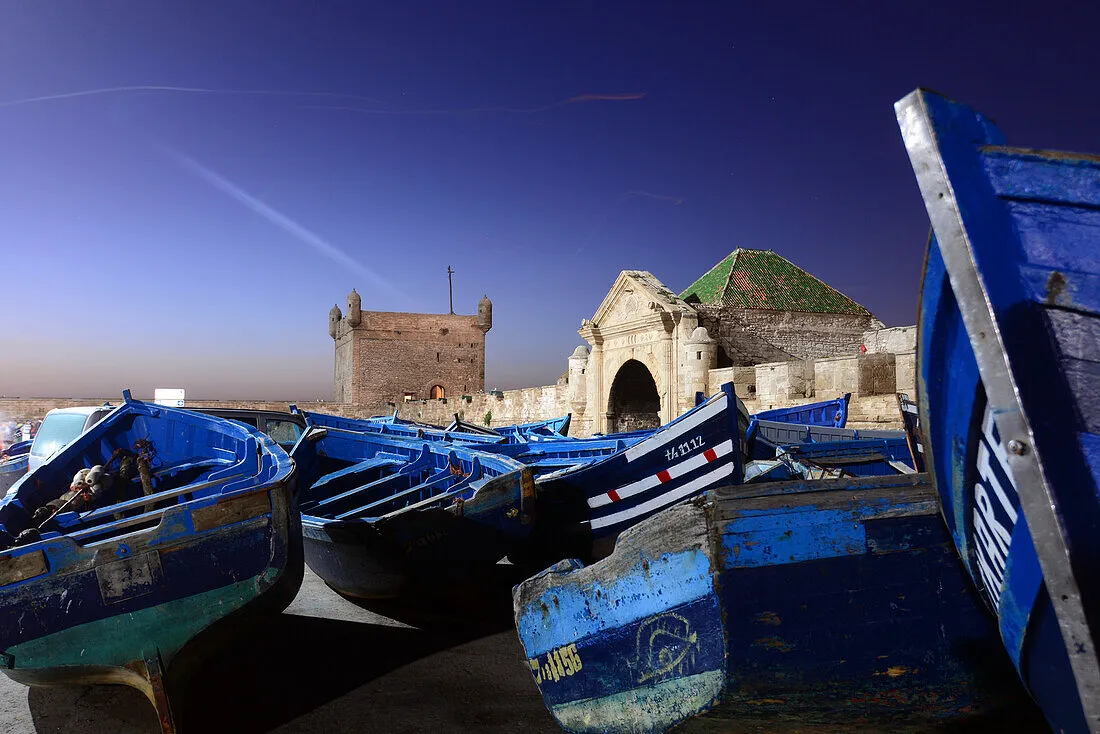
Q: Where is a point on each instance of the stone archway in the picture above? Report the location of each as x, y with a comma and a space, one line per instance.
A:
634, 402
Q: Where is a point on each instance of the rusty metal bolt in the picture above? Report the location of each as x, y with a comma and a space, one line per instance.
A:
1017, 447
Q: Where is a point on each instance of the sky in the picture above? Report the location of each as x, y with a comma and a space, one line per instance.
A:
187, 188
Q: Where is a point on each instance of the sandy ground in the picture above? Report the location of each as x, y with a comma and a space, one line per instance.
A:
329, 665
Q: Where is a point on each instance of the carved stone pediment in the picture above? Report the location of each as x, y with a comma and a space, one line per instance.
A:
636, 297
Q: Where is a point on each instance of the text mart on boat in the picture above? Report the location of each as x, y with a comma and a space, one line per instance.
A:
1009, 386
138, 538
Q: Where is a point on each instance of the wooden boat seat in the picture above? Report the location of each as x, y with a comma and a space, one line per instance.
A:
379, 483
439, 479
366, 465
187, 464
455, 490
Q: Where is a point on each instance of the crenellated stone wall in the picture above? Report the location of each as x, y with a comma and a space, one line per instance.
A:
500, 408
25, 409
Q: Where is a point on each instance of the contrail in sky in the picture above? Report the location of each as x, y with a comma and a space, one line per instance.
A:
623, 97
100, 91
280, 220
382, 107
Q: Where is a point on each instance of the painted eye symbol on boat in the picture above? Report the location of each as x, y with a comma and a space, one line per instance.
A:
665, 644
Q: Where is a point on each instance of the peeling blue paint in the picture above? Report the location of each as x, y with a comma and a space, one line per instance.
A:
652, 586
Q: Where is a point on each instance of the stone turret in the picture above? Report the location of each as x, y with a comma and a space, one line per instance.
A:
700, 356
355, 308
334, 317
578, 388
485, 314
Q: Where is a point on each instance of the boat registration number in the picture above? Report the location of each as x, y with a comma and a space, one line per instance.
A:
558, 664
131, 577
684, 449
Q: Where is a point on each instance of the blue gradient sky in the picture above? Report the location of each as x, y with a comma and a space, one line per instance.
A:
198, 239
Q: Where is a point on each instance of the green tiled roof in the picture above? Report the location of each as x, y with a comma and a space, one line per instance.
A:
761, 279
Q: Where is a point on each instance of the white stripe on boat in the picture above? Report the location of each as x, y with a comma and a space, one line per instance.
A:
677, 470
664, 500
675, 430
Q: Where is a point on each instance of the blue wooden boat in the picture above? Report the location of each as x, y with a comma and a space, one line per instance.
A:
393, 427
1009, 386
552, 429
16, 449
764, 436
820, 460
824, 413
910, 418
835, 605
152, 529
380, 514
783, 450
13, 464
539, 450
583, 508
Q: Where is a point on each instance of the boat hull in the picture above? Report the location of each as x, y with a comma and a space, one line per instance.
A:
1007, 386
385, 558
425, 535
12, 470
122, 610
815, 606
581, 511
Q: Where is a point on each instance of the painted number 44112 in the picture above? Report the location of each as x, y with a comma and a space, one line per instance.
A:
684, 449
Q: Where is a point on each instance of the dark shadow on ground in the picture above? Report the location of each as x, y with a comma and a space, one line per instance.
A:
277, 669
479, 605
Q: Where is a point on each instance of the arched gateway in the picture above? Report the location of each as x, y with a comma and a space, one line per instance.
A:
634, 403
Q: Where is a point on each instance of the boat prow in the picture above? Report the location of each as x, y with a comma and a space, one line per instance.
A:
808, 606
1009, 386
152, 529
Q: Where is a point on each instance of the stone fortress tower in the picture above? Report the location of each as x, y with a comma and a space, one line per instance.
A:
390, 357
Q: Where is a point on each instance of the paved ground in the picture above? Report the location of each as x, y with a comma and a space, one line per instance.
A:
329, 665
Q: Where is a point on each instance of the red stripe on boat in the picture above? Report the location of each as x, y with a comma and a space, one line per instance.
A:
709, 453
663, 475
613, 495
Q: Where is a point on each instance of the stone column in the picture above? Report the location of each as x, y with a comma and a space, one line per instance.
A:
667, 359
700, 356
578, 391
594, 374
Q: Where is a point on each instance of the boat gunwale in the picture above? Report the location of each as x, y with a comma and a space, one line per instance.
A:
995, 368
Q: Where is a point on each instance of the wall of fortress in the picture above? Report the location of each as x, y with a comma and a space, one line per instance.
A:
887, 367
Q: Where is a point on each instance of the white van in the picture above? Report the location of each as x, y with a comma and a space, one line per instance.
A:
59, 428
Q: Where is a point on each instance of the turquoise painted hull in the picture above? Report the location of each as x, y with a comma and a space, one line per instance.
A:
115, 592
138, 647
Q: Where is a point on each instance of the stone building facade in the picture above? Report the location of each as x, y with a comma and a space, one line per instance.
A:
782, 336
650, 350
761, 307
388, 357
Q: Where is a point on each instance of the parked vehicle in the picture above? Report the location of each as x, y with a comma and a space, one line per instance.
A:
284, 428
60, 427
